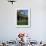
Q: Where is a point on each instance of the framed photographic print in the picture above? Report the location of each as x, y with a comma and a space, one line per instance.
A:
22, 17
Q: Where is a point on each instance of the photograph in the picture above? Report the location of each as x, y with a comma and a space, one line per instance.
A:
23, 17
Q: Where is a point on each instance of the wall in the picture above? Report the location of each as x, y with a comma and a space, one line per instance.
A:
8, 28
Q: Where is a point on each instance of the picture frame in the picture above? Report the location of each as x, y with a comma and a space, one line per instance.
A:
24, 13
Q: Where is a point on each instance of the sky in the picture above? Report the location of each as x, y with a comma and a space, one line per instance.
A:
25, 12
